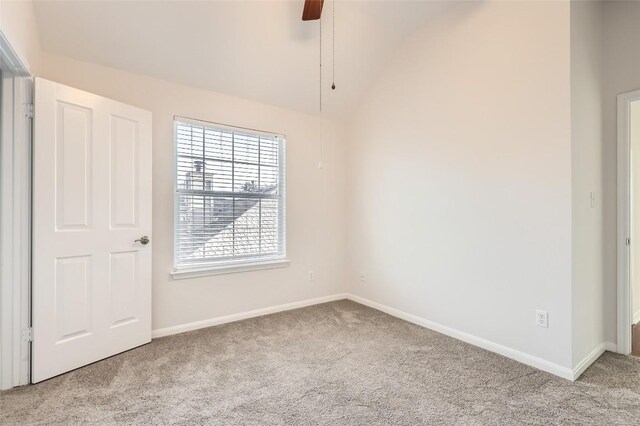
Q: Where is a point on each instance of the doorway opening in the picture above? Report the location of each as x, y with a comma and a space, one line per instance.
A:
634, 136
629, 223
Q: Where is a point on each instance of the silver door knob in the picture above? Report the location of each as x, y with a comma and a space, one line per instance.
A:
144, 240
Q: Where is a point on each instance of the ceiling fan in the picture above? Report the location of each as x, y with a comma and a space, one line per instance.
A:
312, 10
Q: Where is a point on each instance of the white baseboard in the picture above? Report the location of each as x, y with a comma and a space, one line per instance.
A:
539, 363
530, 360
592, 357
167, 331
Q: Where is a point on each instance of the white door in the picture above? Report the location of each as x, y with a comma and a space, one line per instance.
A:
91, 202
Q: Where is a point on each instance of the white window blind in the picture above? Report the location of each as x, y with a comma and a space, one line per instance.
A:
230, 195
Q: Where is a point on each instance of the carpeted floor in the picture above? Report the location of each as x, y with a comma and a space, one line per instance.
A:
339, 363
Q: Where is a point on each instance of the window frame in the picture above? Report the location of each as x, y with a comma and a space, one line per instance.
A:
232, 264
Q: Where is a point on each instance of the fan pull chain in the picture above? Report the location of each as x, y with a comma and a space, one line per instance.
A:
320, 98
333, 39
320, 61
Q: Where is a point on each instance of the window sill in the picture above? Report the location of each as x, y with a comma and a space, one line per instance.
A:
228, 269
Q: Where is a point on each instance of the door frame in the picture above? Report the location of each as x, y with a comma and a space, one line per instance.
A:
625, 290
15, 219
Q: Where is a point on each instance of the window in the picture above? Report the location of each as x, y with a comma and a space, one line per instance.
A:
230, 196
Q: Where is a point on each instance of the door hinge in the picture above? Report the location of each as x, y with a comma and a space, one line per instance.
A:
628, 241
28, 110
27, 334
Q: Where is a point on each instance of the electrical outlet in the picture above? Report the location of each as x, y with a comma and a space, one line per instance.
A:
542, 318
311, 276
363, 276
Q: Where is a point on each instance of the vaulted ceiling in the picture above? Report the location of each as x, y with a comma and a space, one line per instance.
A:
258, 50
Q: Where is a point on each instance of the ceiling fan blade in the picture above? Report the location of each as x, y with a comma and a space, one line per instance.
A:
312, 10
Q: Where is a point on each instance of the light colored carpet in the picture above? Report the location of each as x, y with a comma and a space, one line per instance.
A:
338, 363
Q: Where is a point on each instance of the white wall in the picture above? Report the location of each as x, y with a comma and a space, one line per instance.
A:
460, 177
635, 206
621, 75
18, 24
315, 198
588, 307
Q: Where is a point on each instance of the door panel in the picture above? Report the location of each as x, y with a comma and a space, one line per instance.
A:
73, 297
91, 200
124, 285
124, 155
73, 166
